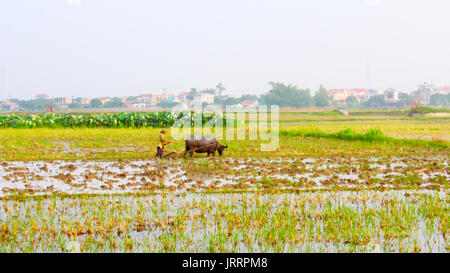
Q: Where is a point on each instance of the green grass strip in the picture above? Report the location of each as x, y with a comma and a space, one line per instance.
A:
373, 135
429, 109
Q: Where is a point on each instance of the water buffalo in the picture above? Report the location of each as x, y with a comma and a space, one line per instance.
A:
203, 144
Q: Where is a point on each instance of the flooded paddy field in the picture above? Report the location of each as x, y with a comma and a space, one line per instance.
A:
345, 221
224, 174
101, 190
322, 204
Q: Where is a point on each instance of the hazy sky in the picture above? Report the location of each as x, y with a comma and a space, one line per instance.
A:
125, 47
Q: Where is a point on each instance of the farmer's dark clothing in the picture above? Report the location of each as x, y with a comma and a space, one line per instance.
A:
159, 152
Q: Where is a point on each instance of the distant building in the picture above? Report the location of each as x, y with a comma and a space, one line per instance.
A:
359, 93
140, 105
164, 97
424, 93
151, 98
339, 95
8, 106
183, 97
85, 100
175, 98
169, 99
204, 98
249, 103
443, 90
391, 96
143, 96
63, 100
42, 96
371, 93
363, 94
128, 104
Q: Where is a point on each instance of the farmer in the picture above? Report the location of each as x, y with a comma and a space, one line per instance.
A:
161, 143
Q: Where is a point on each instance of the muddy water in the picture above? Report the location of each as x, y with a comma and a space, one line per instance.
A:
425, 234
120, 176
428, 240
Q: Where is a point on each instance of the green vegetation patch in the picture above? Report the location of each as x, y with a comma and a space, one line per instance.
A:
98, 120
429, 110
373, 135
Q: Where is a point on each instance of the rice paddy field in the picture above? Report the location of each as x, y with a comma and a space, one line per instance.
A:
368, 182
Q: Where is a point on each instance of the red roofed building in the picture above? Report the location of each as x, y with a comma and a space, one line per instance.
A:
339, 95
363, 94
249, 103
151, 99
360, 93
41, 96
372, 92
443, 90
128, 104
144, 95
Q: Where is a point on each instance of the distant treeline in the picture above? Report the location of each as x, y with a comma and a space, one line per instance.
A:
284, 95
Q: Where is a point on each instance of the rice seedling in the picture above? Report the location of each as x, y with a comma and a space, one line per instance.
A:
413, 221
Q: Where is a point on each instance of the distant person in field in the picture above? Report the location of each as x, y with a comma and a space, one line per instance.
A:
161, 143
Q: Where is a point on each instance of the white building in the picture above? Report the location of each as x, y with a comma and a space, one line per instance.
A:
8, 106
85, 100
141, 105
63, 100
204, 98
424, 93
391, 95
